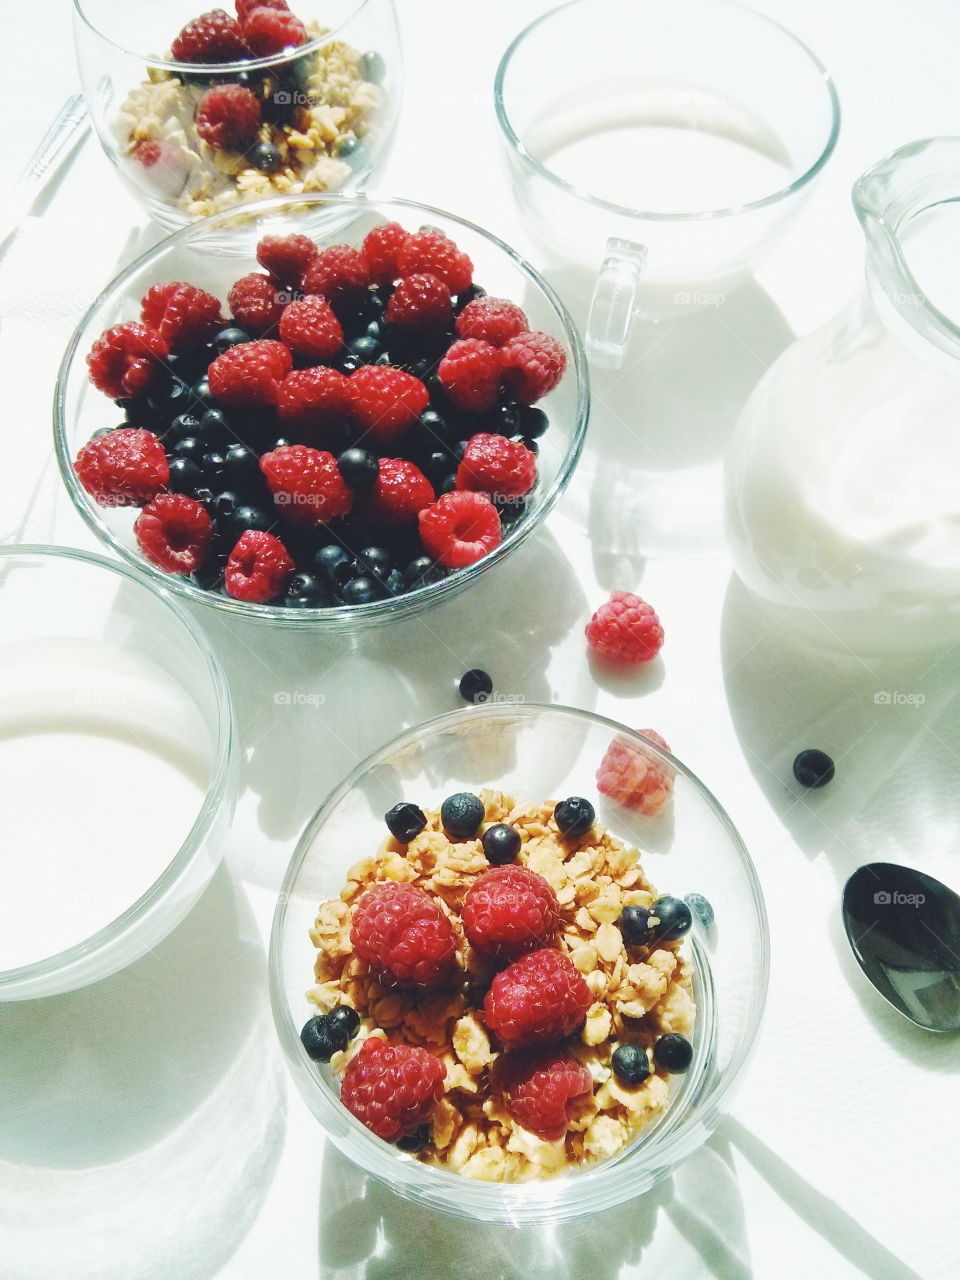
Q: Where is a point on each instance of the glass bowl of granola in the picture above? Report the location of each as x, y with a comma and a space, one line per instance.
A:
201, 111
298, 422
518, 962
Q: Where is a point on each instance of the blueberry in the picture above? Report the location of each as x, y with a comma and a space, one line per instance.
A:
674, 1053
210, 575
632, 923
475, 685
212, 466
447, 484
184, 475
574, 816
204, 494
533, 422
333, 565
200, 391
191, 447
527, 441
510, 512
215, 426
278, 106
280, 442
187, 366
232, 336
169, 398
630, 1063
250, 517
404, 821
182, 426
422, 572
506, 420
360, 591
414, 1142
348, 145
701, 908
813, 768
265, 157
436, 465
373, 562
469, 294
223, 507
241, 466
365, 349
394, 582
461, 815
349, 363
675, 919
307, 591
372, 66
342, 1018
320, 1040
359, 468
501, 844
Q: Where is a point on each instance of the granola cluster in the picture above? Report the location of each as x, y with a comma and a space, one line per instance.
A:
336, 110
639, 993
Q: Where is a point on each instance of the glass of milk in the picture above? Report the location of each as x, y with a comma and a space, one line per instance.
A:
117, 768
843, 474
658, 150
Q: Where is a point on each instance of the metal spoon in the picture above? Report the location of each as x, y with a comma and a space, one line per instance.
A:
904, 929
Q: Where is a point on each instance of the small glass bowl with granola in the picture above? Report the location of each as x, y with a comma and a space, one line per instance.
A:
202, 109
480, 992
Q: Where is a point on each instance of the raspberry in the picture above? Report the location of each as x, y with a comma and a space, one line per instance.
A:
125, 359
123, 468
174, 532
147, 151
420, 304
380, 249
249, 374
185, 316
228, 117
541, 996
267, 30
400, 492
493, 320
254, 304
213, 37
307, 487
338, 273
391, 1088
496, 465
403, 935
510, 910
625, 629
309, 328
532, 364
258, 568
244, 8
386, 401
459, 528
286, 257
634, 777
435, 253
311, 399
470, 374
538, 1086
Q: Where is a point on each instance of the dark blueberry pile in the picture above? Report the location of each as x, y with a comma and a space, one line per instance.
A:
214, 457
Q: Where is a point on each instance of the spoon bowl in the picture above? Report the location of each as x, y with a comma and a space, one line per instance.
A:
904, 929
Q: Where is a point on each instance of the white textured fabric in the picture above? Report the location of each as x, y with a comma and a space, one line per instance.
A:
147, 1128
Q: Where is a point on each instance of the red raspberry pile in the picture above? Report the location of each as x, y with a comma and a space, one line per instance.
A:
259, 29
364, 410
625, 630
634, 777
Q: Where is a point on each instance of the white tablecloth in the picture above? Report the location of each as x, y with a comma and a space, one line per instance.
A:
147, 1128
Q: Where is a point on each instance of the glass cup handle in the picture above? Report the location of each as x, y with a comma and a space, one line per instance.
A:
614, 303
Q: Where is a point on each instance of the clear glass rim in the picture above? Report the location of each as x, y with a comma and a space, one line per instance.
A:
216, 789
342, 615
220, 68
929, 321
802, 180
522, 1202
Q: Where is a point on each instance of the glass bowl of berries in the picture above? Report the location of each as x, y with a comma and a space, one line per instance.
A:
200, 112
518, 962
321, 434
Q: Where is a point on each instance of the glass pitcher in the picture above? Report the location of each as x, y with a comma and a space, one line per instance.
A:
843, 476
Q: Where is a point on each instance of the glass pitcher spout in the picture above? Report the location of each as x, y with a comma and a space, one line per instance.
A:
893, 199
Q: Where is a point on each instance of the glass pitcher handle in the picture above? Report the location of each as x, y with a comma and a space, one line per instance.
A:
614, 303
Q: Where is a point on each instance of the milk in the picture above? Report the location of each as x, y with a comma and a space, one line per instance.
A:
844, 473
104, 764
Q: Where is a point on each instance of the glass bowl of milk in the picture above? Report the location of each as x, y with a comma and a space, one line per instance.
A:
657, 151
117, 761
